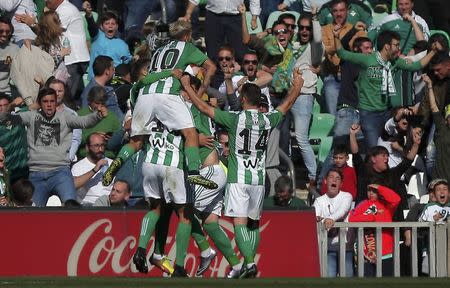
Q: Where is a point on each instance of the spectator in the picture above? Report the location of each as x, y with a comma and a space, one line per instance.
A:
108, 126
119, 196
284, 198
14, 10
222, 138
358, 11
88, 172
78, 59
438, 210
22, 193
49, 135
121, 83
441, 135
379, 207
348, 33
375, 82
333, 207
340, 159
104, 71
8, 51
61, 100
105, 41
13, 139
5, 193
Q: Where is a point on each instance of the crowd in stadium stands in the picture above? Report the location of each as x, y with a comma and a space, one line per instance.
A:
379, 69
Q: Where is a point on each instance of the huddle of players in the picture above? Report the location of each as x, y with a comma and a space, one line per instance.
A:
170, 101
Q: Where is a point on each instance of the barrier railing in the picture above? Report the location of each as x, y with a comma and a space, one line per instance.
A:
437, 247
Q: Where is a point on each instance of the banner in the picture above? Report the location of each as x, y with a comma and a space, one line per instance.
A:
102, 243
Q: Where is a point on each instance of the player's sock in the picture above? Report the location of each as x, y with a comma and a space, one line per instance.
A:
222, 242
193, 158
147, 227
243, 242
199, 238
254, 238
182, 242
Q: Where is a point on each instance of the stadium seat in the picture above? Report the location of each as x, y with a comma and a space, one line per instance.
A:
320, 135
275, 14
259, 28
432, 32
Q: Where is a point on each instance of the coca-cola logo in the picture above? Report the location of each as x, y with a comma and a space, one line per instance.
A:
109, 251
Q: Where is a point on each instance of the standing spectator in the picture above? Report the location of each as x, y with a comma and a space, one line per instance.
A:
88, 172
375, 82
333, 207
49, 134
8, 51
223, 22
13, 139
348, 32
380, 206
14, 9
358, 11
103, 68
104, 39
78, 59
119, 196
284, 198
441, 135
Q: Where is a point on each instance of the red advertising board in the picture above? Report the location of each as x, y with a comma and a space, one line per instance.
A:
102, 243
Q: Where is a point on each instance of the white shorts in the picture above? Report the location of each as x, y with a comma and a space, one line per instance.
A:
243, 200
171, 110
207, 200
164, 182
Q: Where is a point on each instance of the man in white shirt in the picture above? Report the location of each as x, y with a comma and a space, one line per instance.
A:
88, 172
78, 59
333, 207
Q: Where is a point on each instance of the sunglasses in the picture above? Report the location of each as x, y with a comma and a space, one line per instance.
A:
5, 31
292, 26
280, 31
301, 27
227, 58
254, 62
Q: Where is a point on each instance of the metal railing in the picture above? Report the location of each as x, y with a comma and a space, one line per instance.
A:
437, 248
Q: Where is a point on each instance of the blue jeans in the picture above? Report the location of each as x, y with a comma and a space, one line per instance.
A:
301, 113
333, 263
56, 182
372, 125
331, 89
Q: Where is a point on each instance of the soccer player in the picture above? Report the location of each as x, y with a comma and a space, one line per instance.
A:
248, 132
162, 100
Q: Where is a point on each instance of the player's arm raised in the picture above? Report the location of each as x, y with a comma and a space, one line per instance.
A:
195, 99
210, 70
294, 92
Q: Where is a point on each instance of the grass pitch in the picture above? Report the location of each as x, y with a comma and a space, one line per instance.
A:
216, 283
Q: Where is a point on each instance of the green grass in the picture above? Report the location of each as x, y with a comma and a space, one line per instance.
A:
216, 283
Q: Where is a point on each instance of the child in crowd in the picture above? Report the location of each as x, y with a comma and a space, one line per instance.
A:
439, 209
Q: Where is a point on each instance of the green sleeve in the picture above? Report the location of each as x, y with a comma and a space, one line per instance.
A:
196, 56
275, 118
372, 34
357, 58
364, 15
402, 64
224, 118
324, 16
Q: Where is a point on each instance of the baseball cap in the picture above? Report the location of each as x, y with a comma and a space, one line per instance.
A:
436, 182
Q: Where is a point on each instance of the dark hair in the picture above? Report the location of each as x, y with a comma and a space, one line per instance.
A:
252, 93
72, 203
439, 58
7, 21
278, 23
340, 149
44, 92
107, 15
194, 81
137, 66
358, 42
250, 52
441, 38
4, 96
22, 192
286, 16
123, 70
337, 170
226, 48
97, 94
376, 150
386, 37
283, 183
126, 184
101, 63
335, 2
420, 46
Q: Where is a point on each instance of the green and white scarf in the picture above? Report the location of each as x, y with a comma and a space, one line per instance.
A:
387, 87
282, 77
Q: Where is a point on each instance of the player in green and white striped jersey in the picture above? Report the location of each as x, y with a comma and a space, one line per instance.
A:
248, 132
162, 100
